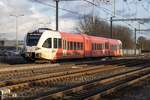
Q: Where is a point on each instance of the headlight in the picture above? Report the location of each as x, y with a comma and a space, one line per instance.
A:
37, 48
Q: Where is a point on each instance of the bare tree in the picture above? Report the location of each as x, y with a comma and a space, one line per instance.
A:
102, 28
143, 43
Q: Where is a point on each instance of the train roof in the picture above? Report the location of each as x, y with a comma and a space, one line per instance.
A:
40, 30
79, 36
93, 38
72, 36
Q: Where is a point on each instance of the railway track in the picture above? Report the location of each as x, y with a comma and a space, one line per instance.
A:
7, 76
73, 83
94, 89
25, 71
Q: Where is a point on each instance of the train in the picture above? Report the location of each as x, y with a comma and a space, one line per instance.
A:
47, 44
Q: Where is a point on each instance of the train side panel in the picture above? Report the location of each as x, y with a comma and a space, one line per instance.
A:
73, 45
98, 46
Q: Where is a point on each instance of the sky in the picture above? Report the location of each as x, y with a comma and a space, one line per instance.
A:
42, 14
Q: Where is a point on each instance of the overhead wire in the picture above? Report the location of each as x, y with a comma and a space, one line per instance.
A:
76, 13
104, 9
147, 10
53, 6
108, 11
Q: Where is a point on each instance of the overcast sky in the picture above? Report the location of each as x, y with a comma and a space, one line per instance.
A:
40, 15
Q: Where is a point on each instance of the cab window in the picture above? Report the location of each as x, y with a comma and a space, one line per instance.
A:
47, 43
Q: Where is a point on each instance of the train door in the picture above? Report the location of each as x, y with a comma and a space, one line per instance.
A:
107, 48
87, 47
57, 48
46, 48
64, 48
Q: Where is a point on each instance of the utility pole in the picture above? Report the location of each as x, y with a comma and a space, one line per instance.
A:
135, 40
111, 18
114, 7
93, 12
16, 16
57, 14
111, 30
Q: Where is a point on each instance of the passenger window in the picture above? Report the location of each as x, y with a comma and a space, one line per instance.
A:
95, 46
100, 46
63, 44
81, 46
55, 42
92, 46
47, 43
71, 45
78, 46
75, 46
59, 43
68, 45
103, 46
106, 45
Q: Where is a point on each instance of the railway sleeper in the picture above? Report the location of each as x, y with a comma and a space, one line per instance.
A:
96, 88
118, 87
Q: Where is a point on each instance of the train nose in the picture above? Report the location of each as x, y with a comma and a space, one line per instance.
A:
30, 54
33, 55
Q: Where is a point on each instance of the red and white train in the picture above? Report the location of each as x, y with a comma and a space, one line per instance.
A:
53, 45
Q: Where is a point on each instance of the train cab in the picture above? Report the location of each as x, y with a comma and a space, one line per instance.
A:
115, 47
42, 43
31, 42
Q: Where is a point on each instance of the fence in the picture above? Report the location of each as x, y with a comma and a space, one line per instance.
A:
131, 52
11, 59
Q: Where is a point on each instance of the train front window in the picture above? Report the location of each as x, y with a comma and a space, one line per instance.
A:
33, 38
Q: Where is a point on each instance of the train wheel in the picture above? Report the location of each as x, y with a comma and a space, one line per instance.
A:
28, 60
